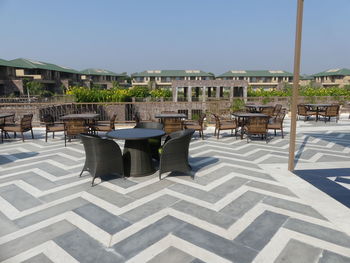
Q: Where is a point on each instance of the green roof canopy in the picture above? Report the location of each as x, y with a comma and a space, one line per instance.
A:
256, 73
334, 72
101, 72
5, 63
32, 64
172, 73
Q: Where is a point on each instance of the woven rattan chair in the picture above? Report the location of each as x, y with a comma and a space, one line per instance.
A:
104, 126
330, 112
24, 126
256, 126
73, 128
304, 111
277, 109
276, 123
196, 125
269, 111
103, 157
224, 124
51, 126
174, 153
154, 143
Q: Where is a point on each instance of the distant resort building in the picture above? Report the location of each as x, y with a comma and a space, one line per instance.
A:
103, 78
266, 79
333, 77
164, 78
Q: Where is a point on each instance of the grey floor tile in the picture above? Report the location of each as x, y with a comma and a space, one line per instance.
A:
137, 242
225, 248
40, 258
196, 193
110, 196
242, 204
7, 225
86, 249
271, 187
210, 216
102, 218
33, 239
18, 197
318, 231
330, 257
172, 255
229, 186
260, 232
149, 208
150, 189
68, 191
298, 252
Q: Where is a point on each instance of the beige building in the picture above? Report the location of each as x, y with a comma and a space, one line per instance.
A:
103, 78
164, 78
266, 79
333, 77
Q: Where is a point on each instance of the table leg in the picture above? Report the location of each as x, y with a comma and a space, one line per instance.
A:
137, 158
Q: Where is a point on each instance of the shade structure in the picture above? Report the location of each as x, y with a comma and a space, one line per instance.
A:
295, 95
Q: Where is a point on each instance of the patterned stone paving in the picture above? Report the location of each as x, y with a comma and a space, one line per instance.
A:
241, 206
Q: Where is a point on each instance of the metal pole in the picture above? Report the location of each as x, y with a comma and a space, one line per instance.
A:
297, 55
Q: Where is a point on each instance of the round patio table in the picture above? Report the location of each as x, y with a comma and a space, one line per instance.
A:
137, 156
257, 108
317, 108
244, 116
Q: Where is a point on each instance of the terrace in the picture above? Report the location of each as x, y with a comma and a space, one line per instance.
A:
242, 205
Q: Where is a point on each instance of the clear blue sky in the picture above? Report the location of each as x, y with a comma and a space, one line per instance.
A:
212, 35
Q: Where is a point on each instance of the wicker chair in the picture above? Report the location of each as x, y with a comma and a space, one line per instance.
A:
277, 109
224, 124
104, 126
154, 143
256, 126
174, 153
269, 111
24, 126
304, 111
103, 157
51, 126
276, 123
331, 112
73, 128
196, 125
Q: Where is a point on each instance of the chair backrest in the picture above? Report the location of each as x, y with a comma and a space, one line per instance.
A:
26, 122
257, 125
201, 119
150, 125
268, 111
178, 142
302, 110
112, 121
217, 120
333, 110
278, 108
137, 117
280, 116
169, 112
90, 155
75, 127
48, 119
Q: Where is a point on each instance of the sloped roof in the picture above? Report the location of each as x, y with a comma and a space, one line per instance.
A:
5, 63
334, 72
102, 72
33, 64
172, 73
256, 73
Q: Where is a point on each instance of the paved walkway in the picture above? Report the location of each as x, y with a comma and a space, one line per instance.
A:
242, 206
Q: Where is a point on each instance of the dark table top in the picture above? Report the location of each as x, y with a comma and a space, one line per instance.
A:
248, 114
4, 115
318, 105
135, 134
171, 115
86, 116
259, 106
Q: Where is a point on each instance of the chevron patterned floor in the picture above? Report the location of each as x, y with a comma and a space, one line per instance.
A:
241, 206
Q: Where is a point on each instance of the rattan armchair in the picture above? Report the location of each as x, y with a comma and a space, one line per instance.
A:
24, 126
305, 112
224, 124
174, 153
196, 125
330, 112
269, 111
73, 128
154, 143
256, 126
277, 109
51, 126
276, 123
104, 126
103, 157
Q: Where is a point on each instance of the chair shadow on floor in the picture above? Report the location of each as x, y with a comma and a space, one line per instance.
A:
327, 180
